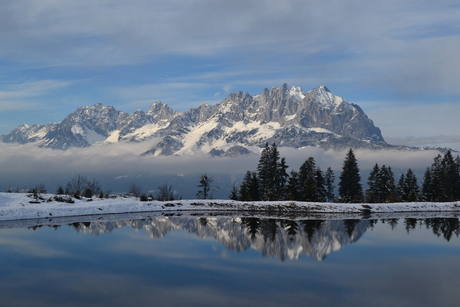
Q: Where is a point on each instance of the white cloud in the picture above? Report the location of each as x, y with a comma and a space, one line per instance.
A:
21, 96
117, 166
452, 141
227, 88
366, 158
27, 163
86, 30
6, 105
31, 89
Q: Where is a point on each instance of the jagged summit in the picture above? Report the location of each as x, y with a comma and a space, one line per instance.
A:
323, 96
239, 124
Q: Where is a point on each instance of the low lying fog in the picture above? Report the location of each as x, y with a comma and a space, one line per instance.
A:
116, 166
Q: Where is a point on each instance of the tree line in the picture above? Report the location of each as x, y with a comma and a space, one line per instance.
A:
271, 182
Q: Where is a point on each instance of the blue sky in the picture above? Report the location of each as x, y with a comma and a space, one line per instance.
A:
397, 59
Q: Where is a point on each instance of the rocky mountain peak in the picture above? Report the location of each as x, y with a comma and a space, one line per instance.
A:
160, 111
286, 115
323, 96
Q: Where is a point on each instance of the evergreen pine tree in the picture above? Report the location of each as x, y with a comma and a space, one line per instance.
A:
387, 188
293, 186
428, 193
244, 193
307, 180
411, 188
372, 183
442, 180
205, 187
268, 173
320, 194
254, 189
263, 172
400, 189
437, 179
234, 194
249, 189
449, 174
350, 189
456, 188
329, 184
272, 174
281, 180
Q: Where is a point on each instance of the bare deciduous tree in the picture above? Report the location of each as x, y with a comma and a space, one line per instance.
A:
76, 185
79, 184
135, 190
165, 192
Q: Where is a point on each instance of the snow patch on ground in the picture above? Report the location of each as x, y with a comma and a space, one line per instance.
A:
18, 206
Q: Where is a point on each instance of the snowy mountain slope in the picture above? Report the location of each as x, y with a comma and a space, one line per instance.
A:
239, 124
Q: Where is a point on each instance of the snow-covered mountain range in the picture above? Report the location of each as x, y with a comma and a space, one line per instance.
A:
239, 124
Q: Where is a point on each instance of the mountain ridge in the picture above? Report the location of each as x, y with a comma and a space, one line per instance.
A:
239, 124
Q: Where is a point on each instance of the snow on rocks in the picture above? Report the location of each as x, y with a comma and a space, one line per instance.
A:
17, 206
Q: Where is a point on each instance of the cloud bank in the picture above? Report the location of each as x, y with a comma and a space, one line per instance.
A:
118, 165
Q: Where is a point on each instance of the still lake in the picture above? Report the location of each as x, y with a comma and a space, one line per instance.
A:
230, 261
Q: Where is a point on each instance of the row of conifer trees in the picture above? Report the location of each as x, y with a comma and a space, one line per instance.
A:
271, 182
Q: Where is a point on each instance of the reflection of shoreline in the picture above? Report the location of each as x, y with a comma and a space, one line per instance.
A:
55, 221
280, 238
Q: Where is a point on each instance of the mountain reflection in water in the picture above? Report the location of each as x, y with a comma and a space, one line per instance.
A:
276, 238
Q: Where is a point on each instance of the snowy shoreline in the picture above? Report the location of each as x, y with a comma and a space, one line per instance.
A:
17, 206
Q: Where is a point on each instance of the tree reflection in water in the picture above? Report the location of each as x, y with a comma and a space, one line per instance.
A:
275, 237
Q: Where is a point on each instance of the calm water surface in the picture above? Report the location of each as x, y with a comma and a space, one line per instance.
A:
228, 261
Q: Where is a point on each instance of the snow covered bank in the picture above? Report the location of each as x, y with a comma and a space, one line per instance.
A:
17, 206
